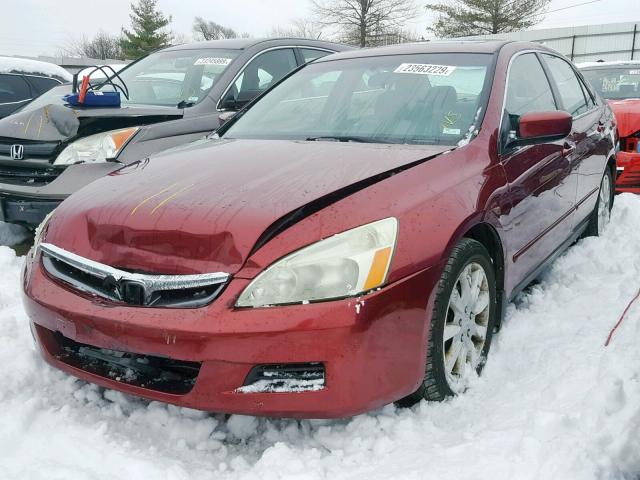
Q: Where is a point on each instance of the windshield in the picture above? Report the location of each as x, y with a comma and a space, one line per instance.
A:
615, 83
416, 99
175, 77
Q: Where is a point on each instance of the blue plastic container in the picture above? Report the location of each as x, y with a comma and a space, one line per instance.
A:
94, 99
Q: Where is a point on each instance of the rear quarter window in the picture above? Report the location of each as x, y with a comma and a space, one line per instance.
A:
309, 54
41, 84
13, 88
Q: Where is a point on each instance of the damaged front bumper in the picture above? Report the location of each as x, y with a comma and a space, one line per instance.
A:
321, 360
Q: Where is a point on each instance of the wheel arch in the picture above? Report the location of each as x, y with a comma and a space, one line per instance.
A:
612, 164
488, 236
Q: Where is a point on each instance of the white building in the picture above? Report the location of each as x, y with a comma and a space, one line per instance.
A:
613, 41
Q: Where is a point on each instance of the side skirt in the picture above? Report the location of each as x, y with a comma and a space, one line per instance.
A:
577, 232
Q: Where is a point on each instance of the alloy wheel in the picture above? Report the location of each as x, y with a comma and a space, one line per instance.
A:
465, 329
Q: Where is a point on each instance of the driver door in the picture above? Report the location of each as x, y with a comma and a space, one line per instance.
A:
542, 187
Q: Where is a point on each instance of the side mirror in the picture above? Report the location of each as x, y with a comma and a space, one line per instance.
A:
538, 127
224, 117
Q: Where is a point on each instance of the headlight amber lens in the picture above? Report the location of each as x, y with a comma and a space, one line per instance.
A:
347, 264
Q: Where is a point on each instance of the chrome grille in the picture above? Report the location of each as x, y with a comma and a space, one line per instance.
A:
32, 149
137, 289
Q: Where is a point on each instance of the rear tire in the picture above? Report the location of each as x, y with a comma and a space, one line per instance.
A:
602, 211
462, 324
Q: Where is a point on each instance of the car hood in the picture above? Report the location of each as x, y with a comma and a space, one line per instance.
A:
627, 114
202, 208
49, 119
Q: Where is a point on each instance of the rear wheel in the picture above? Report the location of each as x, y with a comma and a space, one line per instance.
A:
464, 317
602, 211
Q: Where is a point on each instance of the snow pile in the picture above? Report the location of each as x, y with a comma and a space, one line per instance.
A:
288, 385
35, 67
554, 403
11, 234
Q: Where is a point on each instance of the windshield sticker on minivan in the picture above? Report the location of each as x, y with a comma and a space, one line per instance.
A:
425, 69
212, 61
634, 72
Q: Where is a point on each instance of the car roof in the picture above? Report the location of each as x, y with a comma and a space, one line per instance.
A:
244, 43
460, 46
26, 66
444, 46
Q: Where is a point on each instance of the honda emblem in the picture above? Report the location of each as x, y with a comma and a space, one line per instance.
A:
17, 152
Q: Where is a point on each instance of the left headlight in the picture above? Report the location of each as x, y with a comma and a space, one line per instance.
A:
344, 265
96, 148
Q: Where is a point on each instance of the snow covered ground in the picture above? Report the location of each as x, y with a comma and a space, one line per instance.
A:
554, 403
11, 234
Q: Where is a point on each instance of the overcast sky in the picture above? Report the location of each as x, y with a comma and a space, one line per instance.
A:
42, 27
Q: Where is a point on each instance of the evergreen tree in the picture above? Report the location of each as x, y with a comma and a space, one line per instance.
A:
148, 33
459, 18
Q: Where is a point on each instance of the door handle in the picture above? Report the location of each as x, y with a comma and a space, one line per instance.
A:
568, 148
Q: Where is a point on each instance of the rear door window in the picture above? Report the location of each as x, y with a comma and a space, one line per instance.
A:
588, 94
260, 74
13, 89
571, 94
41, 84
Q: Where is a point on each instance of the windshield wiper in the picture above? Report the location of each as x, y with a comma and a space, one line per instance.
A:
340, 139
185, 104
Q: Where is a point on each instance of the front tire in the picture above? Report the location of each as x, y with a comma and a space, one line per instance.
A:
462, 324
602, 212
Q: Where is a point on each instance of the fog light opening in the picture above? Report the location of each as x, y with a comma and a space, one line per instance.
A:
285, 378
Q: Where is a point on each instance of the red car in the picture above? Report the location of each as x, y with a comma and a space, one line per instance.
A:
619, 83
349, 240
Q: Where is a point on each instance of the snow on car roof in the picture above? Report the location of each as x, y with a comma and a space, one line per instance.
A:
33, 67
607, 64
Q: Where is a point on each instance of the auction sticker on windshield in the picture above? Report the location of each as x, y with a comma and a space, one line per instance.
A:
212, 61
425, 69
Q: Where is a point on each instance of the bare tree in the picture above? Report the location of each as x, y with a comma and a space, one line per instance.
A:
459, 18
102, 46
299, 28
208, 30
365, 22
180, 38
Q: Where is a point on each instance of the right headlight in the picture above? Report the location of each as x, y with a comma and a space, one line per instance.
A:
100, 147
344, 265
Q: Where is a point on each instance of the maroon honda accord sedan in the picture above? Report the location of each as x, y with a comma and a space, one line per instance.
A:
349, 240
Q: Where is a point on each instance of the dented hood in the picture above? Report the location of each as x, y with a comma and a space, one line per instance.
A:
627, 114
202, 208
49, 119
